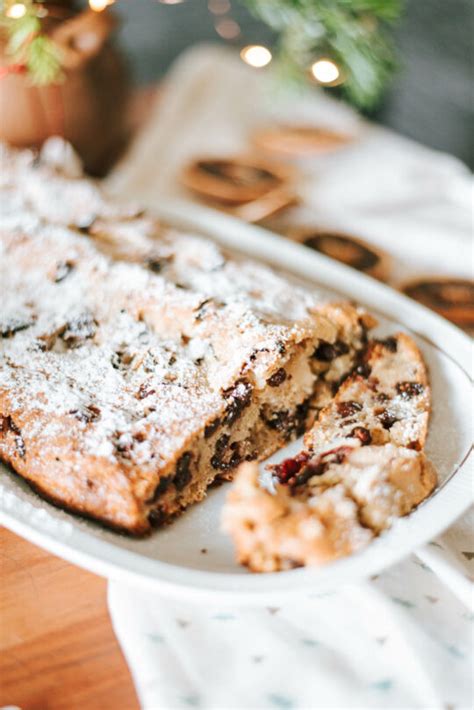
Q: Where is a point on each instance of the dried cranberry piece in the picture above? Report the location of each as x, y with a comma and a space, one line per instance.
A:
288, 468
183, 471
239, 397
211, 428
277, 378
363, 434
414, 445
347, 409
63, 269
87, 414
325, 352
407, 390
387, 419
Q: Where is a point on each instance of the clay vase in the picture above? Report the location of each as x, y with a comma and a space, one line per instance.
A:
87, 107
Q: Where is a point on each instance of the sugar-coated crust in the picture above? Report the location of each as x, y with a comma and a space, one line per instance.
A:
362, 468
137, 363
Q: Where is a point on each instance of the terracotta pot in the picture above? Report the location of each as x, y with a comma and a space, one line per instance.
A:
88, 107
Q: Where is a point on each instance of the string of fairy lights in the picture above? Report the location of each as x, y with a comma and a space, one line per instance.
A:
324, 70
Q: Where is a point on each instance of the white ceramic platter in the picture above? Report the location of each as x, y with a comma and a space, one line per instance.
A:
192, 557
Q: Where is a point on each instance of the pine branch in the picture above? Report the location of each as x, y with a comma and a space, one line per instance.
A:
28, 47
354, 33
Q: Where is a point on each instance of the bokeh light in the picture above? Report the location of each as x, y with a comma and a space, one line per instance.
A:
99, 5
325, 71
218, 7
16, 11
227, 28
256, 55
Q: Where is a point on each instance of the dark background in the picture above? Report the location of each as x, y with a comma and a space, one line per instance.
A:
430, 99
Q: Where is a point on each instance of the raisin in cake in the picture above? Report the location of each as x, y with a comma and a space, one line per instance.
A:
137, 363
361, 469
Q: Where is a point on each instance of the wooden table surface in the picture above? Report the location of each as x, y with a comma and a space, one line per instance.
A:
57, 647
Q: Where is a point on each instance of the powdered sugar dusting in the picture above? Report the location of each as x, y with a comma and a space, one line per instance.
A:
119, 329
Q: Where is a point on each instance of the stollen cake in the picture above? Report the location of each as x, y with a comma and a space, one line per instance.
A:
139, 362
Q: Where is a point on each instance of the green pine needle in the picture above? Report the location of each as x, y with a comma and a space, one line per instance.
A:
354, 33
27, 46
43, 61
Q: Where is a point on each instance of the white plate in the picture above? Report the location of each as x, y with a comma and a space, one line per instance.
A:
173, 560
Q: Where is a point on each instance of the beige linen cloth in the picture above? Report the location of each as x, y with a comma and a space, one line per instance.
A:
404, 639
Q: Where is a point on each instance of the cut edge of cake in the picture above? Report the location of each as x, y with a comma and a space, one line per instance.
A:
358, 473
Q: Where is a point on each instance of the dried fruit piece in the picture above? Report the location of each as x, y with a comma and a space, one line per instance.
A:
239, 397
387, 419
347, 409
326, 352
363, 434
288, 468
277, 378
183, 471
407, 390
211, 428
